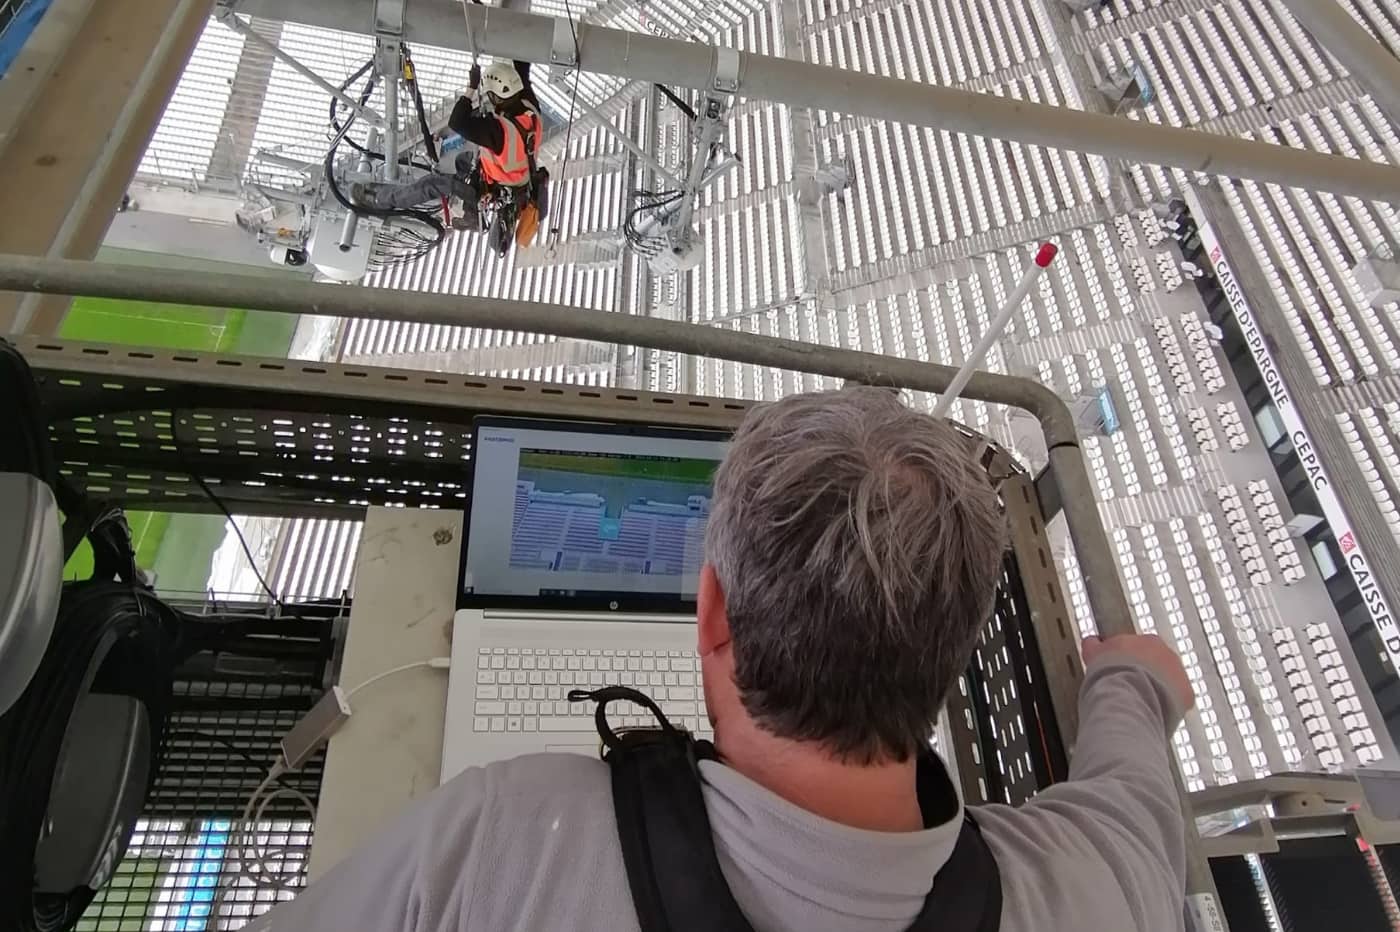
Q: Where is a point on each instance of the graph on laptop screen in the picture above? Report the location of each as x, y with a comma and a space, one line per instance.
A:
571, 512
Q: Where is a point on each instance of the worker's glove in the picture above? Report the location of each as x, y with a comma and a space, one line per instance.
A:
474, 77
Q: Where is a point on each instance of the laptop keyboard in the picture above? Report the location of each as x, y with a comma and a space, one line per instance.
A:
521, 689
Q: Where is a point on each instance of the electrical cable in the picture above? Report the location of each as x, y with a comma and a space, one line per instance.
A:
411, 79
288, 877
254, 858
111, 637
681, 105
646, 201
437, 663
410, 72
216, 739
409, 243
337, 103
219, 504
569, 129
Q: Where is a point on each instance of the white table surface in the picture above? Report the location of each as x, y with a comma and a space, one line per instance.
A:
390, 751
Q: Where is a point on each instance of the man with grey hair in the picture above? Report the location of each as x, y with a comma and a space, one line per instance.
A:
853, 550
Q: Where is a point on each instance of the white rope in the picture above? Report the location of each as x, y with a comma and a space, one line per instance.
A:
471, 33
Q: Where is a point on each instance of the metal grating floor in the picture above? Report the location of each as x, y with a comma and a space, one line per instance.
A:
229, 712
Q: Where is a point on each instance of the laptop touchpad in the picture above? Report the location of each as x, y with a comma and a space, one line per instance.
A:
588, 750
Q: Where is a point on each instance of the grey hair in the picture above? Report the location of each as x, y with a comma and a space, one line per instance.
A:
858, 546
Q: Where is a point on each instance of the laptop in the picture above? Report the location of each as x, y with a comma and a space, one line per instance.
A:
580, 563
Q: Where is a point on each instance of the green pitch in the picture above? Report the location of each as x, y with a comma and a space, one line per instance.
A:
179, 326
184, 567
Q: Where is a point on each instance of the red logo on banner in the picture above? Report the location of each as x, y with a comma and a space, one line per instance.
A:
1348, 542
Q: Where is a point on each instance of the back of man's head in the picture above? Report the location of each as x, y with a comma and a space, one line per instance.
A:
858, 546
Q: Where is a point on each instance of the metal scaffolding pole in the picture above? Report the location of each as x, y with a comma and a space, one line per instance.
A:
1372, 65
640, 57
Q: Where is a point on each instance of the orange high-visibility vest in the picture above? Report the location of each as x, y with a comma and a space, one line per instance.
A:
511, 168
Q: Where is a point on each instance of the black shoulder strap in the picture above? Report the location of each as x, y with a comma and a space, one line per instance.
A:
672, 870
529, 139
966, 893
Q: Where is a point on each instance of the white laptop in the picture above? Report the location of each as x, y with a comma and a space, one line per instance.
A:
580, 563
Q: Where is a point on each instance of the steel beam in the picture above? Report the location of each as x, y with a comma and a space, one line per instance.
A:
628, 143
640, 57
800, 84
388, 61
1372, 65
804, 158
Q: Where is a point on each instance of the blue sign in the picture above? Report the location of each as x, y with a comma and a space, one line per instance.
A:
1146, 92
1108, 414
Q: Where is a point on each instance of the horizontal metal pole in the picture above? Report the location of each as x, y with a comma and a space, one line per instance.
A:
149, 283
640, 57
508, 34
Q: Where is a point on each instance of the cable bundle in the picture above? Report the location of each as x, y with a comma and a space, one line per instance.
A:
646, 201
110, 637
411, 232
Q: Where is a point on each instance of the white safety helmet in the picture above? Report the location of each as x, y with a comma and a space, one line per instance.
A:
501, 80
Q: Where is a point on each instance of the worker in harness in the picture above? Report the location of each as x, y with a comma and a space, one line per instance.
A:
501, 160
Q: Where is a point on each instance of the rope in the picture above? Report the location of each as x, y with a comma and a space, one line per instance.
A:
471, 33
553, 247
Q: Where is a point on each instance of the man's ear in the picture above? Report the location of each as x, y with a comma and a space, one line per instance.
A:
712, 620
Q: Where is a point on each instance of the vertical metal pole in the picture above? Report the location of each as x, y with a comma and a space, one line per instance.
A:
714, 111
391, 121
352, 219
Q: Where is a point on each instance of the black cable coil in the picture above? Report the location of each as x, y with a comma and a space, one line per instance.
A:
396, 243
110, 637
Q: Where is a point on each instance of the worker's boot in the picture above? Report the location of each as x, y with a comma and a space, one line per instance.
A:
368, 194
468, 221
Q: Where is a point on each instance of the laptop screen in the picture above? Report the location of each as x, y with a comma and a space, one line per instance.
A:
587, 516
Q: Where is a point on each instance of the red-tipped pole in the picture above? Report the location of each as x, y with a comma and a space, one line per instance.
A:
1043, 259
